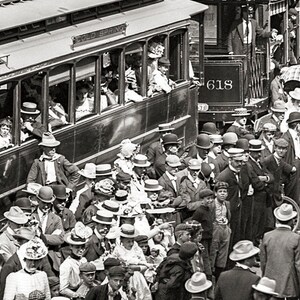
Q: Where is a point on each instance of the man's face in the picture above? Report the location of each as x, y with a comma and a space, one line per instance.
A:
268, 135
221, 194
140, 171
203, 153
172, 170
103, 229
207, 201
152, 195
28, 118
185, 236
59, 204
280, 151
242, 120
44, 206
163, 69
216, 149
261, 296
116, 282
194, 173
256, 154
248, 12
236, 163
49, 151
280, 115
88, 277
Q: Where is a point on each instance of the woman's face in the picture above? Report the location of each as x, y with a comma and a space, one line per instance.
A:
127, 243
158, 237
4, 130
32, 265
78, 250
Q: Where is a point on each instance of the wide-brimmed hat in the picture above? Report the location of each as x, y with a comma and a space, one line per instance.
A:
197, 283
103, 170
111, 206
278, 106
170, 139
160, 211
35, 249
29, 108
60, 192
45, 194
209, 128
128, 231
141, 161
216, 138
173, 161
266, 286
32, 188
285, 212
25, 233
103, 217
295, 94
89, 171
16, 215
230, 138
194, 164
203, 141
121, 196
256, 145
293, 117
104, 187
240, 112
165, 127
127, 149
242, 250
79, 235
48, 140
236, 153
152, 185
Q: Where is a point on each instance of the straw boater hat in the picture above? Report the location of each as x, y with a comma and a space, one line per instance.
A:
48, 140
152, 185
103, 217
165, 127
256, 145
216, 138
197, 283
35, 249
269, 127
278, 106
128, 231
240, 112
89, 171
121, 196
266, 286
45, 194
16, 215
103, 170
242, 250
141, 161
285, 212
295, 94
236, 153
111, 206
29, 108
79, 235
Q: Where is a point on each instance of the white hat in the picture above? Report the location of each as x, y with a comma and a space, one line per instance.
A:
128, 231
89, 171
285, 212
16, 215
266, 286
79, 235
242, 250
197, 283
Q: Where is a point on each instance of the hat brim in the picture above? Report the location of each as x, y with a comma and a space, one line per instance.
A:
158, 211
128, 236
256, 150
67, 239
19, 221
94, 218
142, 165
241, 115
278, 109
174, 165
294, 95
36, 112
165, 129
284, 218
197, 289
35, 258
264, 291
152, 55
55, 144
237, 257
20, 236
103, 174
46, 201
29, 192
292, 121
207, 147
82, 173
208, 132
153, 190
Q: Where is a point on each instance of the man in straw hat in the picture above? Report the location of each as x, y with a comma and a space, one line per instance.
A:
280, 253
139, 174
236, 284
264, 289
8, 244
239, 125
52, 168
198, 285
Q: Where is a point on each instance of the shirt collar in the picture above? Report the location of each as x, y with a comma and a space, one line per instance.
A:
233, 169
283, 226
242, 266
171, 177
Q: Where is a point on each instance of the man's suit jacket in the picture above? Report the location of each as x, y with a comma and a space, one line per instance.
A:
54, 222
85, 199
8, 245
236, 36
236, 284
221, 162
266, 152
290, 154
98, 293
280, 260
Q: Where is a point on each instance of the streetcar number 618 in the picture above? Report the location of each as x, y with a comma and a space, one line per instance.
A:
219, 85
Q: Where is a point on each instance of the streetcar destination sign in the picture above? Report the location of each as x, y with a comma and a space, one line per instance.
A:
99, 34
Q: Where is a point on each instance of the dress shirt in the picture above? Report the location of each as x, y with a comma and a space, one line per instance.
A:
194, 181
236, 174
173, 180
270, 145
43, 219
277, 158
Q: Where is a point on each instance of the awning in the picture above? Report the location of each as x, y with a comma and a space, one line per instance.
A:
277, 7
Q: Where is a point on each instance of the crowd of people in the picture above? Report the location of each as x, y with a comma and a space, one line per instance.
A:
173, 222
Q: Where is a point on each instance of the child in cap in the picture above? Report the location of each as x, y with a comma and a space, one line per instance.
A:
87, 275
221, 229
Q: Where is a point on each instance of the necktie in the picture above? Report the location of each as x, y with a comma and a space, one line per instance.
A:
246, 30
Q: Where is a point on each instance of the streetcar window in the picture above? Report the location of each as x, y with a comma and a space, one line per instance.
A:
58, 99
85, 87
133, 73
6, 113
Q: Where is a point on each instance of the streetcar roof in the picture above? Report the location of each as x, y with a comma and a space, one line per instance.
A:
48, 46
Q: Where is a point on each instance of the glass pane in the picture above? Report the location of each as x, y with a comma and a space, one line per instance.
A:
133, 73
210, 25
176, 57
110, 79
85, 88
6, 113
59, 79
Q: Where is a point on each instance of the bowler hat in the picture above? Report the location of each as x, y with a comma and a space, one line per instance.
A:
194, 164
60, 191
103, 217
203, 141
89, 171
16, 215
79, 235
240, 112
29, 108
209, 128
165, 127
173, 161
152, 185
141, 161
293, 117
103, 170
127, 231
170, 139
230, 138
48, 140
243, 144
278, 106
295, 94
163, 61
45, 194
197, 283
24, 203
187, 250
256, 145
206, 169
266, 286
285, 212
242, 250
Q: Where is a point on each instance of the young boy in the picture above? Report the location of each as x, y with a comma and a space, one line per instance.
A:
204, 215
87, 275
221, 229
